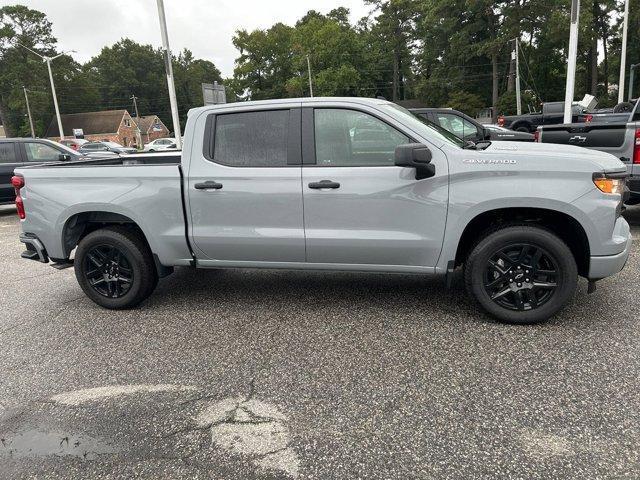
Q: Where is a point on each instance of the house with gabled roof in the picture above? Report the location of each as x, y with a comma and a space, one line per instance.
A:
108, 125
151, 128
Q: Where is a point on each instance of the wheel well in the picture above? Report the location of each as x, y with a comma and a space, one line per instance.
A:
561, 224
82, 224
517, 125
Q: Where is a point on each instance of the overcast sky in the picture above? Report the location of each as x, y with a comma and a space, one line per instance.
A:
203, 26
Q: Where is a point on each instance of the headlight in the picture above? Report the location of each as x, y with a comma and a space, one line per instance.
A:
610, 183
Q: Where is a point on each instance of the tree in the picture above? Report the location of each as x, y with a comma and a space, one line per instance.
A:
18, 67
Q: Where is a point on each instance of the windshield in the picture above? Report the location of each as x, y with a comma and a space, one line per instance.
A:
113, 144
423, 125
66, 148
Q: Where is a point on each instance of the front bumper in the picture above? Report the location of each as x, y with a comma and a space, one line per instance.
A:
35, 250
605, 266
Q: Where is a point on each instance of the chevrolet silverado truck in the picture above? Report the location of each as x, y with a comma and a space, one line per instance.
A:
334, 184
616, 134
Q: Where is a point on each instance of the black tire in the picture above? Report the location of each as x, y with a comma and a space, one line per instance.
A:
510, 274
623, 107
115, 268
523, 129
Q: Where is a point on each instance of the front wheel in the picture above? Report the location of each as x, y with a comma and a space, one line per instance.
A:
521, 274
115, 268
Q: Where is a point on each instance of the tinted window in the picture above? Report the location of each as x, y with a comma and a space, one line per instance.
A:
41, 152
457, 125
7, 153
252, 139
347, 138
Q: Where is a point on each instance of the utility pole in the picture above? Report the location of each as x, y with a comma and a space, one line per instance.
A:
571, 61
623, 57
309, 71
48, 61
135, 104
169, 69
518, 97
631, 79
26, 99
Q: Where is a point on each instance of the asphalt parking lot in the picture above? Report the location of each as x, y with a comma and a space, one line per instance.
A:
259, 375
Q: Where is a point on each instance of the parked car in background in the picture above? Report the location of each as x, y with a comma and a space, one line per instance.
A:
552, 114
73, 143
101, 147
467, 128
160, 145
18, 152
620, 138
354, 184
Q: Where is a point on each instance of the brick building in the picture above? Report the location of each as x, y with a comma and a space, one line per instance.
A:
151, 128
110, 125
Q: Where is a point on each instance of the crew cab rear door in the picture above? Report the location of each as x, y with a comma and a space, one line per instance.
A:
244, 187
360, 210
9, 160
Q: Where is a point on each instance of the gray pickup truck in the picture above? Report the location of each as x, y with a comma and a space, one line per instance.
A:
616, 133
334, 184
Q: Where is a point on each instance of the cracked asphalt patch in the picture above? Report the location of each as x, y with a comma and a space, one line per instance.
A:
269, 375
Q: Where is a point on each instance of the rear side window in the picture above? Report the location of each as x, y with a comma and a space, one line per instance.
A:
7, 153
252, 139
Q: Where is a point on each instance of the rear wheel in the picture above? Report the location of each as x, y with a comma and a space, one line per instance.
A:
521, 274
115, 268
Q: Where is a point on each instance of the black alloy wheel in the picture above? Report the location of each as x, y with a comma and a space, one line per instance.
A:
108, 271
521, 274
521, 277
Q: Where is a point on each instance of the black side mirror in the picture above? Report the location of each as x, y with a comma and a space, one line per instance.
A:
418, 156
64, 157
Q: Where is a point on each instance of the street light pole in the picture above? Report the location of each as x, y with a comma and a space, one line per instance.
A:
518, 96
571, 61
310, 80
55, 99
48, 61
26, 99
623, 56
169, 69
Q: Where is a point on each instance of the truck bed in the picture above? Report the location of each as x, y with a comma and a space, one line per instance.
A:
143, 188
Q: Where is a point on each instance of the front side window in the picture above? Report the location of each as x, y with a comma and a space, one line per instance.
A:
40, 152
457, 125
348, 138
252, 139
7, 153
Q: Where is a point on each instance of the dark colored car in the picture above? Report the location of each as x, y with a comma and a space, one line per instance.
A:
19, 152
105, 147
552, 114
466, 128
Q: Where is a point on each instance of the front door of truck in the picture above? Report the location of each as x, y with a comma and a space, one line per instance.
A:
244, 187
359, 208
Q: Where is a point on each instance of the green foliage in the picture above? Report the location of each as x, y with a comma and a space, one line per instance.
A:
507, 104
443, 52
466, 102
